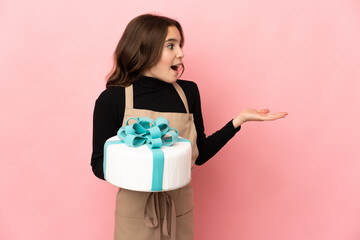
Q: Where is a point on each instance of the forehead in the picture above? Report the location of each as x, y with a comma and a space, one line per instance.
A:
173, 34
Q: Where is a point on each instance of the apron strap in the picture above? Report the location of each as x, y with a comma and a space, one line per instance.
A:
129, 97
182, 95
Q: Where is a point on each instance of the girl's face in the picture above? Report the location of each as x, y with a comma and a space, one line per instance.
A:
169, 66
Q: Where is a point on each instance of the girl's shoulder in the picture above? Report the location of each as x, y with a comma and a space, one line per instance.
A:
186, 83
189, 87
111, 95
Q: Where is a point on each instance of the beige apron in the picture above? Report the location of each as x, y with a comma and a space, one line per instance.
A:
161, 215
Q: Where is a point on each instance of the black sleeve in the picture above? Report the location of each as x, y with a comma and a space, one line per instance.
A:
209, 146
106, 122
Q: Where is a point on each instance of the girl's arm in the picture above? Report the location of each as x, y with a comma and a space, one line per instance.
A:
106, 123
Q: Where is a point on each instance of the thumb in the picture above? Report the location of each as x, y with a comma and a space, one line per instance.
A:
264, 110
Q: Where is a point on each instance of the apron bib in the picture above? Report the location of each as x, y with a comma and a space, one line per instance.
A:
157, 215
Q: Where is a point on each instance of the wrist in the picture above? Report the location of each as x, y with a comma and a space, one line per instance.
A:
237, 121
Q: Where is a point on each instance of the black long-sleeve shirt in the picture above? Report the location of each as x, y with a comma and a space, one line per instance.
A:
152, 94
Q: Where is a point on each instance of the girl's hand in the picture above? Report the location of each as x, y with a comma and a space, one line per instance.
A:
247, 115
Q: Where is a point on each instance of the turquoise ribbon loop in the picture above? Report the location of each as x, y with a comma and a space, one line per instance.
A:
154, 134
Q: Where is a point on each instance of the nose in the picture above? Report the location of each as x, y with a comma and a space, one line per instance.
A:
180, 53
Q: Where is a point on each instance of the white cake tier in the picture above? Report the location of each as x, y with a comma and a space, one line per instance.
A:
132, 168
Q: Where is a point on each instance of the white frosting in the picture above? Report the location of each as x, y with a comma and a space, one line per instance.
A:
132, 168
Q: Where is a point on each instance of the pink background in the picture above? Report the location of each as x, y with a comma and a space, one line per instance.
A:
296, 178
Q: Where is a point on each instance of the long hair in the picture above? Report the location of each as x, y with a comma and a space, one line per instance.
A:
140, 48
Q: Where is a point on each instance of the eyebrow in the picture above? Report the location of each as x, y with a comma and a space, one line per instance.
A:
171, 40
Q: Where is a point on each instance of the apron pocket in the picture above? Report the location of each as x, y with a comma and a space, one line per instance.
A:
184, 227
185, 202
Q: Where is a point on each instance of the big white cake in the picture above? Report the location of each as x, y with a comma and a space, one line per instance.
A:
145, 169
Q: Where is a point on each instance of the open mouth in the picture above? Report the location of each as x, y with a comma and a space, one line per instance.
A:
176, 67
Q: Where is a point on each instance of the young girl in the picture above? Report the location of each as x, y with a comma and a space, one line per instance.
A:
144, 82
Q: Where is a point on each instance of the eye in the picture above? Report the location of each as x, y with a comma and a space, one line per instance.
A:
170, 46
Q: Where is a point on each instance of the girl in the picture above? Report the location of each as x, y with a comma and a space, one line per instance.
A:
144, 82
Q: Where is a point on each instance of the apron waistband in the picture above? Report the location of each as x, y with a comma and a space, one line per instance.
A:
153, 200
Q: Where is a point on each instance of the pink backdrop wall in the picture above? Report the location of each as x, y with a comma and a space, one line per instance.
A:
296, 178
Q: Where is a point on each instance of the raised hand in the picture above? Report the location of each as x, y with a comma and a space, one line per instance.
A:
248, 114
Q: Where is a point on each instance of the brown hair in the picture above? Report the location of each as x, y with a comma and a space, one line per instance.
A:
140, 48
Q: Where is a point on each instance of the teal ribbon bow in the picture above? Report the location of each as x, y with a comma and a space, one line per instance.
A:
154, 134
145, 130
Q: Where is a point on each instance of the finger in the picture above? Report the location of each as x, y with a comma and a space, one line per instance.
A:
263, 111
275, 116
282, 114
